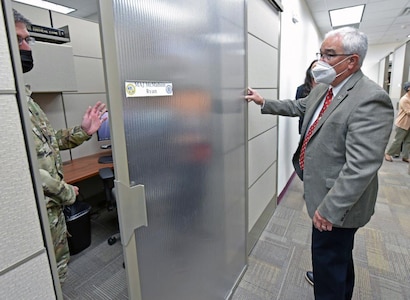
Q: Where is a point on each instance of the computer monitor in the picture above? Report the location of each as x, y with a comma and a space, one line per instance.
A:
103, 134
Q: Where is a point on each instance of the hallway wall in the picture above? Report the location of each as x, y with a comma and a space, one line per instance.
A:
262, 74
299, 44
22, 250
374, 54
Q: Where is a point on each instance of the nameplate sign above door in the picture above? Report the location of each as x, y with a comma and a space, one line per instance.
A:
140, 88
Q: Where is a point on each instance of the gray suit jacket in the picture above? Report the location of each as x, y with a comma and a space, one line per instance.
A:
346, 149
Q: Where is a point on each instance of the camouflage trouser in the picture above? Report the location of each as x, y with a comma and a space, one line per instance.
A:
58, 230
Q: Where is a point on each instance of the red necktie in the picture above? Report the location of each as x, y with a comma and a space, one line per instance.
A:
328, 99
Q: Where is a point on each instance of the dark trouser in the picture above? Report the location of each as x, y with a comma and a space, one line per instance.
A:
332, 260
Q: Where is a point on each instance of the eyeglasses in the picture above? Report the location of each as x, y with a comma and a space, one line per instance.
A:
29, 40
329, 56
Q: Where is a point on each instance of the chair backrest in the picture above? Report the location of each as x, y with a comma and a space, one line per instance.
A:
107, 177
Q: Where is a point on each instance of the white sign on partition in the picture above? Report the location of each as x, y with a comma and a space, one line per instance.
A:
140, 88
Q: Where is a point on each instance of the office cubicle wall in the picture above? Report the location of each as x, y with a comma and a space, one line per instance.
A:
77, 81
400, 72
384, 73
22, 246
179, 91
263, 74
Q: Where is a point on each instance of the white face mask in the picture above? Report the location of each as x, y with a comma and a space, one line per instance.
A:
325, 73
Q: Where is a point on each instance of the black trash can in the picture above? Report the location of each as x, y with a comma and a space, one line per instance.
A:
77, 217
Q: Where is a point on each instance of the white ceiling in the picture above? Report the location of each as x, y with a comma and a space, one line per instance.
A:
383, 20
86, 9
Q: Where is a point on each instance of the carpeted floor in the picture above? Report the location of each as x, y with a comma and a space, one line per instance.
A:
278, 262
97, 272
281, 257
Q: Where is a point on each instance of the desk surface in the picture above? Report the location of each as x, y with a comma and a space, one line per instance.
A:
84, 167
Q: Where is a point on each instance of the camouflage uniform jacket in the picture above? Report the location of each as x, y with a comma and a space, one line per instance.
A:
48, 143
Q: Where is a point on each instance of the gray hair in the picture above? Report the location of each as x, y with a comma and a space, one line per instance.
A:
353, 41
406, 86
19, 18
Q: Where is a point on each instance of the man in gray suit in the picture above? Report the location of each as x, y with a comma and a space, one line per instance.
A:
347, 123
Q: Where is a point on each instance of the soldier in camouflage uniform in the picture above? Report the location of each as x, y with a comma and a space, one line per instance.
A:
48, 143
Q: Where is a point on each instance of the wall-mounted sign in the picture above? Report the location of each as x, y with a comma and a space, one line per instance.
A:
49, 34
140, 88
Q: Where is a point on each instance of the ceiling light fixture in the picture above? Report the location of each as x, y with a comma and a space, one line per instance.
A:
346, 16
48, 5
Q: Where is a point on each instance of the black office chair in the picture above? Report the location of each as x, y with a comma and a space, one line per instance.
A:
107, 177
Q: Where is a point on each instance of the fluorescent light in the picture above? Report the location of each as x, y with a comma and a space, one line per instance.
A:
48, 5
346, 16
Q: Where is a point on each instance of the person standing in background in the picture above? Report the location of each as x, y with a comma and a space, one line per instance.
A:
402, 135
48, 143
347, 124
302, 92
304, 89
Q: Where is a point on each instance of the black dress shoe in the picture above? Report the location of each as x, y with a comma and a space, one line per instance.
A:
309, 277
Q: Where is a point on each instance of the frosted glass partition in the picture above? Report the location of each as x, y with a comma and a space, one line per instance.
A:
186, 147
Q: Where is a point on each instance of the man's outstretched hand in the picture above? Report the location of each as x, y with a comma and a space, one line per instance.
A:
254, 96
92, 118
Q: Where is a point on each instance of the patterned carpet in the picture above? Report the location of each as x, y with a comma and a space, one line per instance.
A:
281, 257
97, 272
278, 262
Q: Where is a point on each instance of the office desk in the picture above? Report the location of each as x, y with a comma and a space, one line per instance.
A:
83, 167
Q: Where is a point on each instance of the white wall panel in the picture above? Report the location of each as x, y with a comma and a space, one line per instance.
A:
262, 64
397, 75
263, 191
84, 35
264, 22
19, 222
262, 154
22, 252
90, 75
53, 69
263, 75
31, 280
36, 15
258, 123
6, 81
373, 56
382, 68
